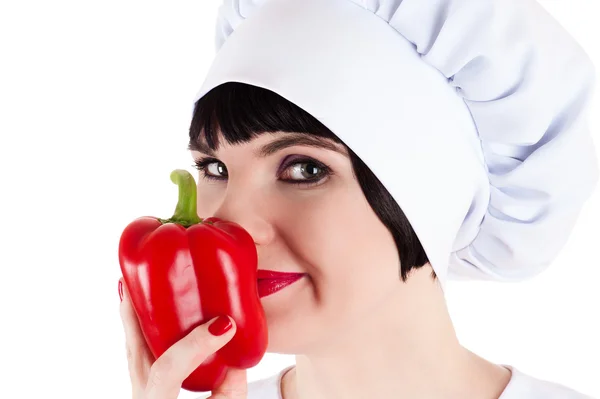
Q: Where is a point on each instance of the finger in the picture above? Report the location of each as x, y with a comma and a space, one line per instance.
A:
178, 362
139, 357
235, 385
130, 322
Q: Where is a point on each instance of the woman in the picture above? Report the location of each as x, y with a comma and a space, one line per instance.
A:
378, 148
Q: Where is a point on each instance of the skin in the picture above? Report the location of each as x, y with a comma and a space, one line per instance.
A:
356, 329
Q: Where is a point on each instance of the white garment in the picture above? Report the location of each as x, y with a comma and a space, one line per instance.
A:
520, 386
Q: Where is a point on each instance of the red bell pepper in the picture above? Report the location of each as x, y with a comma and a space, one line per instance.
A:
183, 271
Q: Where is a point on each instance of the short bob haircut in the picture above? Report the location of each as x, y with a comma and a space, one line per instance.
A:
242, 112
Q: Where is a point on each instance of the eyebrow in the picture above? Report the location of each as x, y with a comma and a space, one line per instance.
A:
274, 146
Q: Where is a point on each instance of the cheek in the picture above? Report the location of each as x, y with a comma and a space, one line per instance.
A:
351, 255
208, 198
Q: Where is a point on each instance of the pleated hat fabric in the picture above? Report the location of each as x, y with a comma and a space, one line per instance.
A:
471, 113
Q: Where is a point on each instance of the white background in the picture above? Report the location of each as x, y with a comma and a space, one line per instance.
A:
95, 105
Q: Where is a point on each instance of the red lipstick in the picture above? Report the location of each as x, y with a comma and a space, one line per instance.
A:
269, 281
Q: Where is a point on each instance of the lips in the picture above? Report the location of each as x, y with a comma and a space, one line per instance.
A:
269, 281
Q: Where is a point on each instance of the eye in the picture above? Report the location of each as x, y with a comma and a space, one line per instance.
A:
209, 167
305, 172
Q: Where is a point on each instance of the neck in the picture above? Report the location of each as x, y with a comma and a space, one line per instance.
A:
413, 354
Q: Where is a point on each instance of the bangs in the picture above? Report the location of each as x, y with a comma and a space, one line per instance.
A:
242, 112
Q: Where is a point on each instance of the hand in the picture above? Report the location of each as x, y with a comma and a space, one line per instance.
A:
162, 379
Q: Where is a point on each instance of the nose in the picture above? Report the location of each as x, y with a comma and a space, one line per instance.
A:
249, 211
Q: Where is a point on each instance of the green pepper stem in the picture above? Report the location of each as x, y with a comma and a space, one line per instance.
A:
186, 211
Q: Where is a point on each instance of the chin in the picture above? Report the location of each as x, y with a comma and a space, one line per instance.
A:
285, 338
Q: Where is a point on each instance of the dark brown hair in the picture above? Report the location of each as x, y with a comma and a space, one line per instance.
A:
242, 111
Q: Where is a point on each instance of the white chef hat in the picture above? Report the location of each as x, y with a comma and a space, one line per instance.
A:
470, 113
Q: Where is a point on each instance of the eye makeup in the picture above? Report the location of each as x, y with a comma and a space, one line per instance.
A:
297, 163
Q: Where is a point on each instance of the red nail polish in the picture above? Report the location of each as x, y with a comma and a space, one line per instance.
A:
220, 326
121, 290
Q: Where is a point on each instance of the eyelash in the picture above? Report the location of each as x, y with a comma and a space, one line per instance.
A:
202, 164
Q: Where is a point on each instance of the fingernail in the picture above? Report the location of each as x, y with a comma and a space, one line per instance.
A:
220, 326
121, 290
